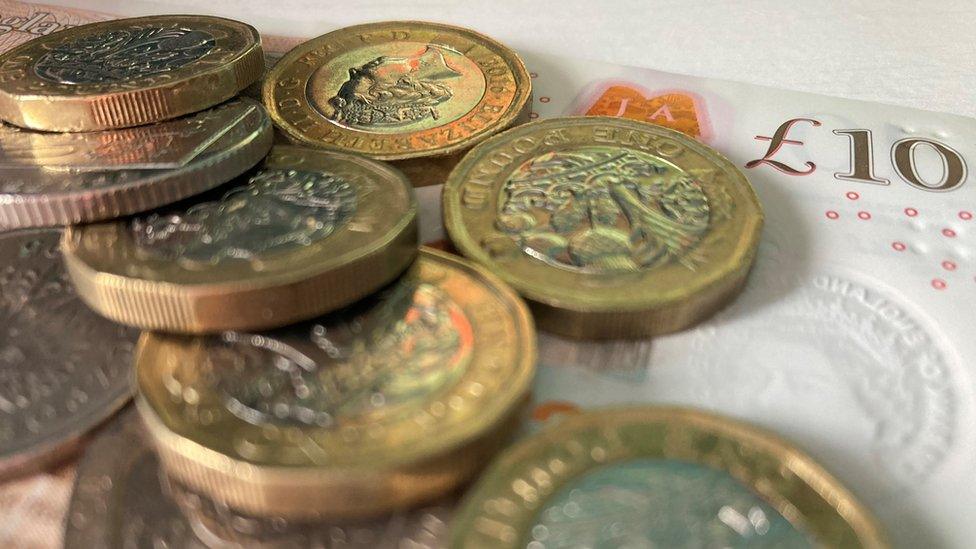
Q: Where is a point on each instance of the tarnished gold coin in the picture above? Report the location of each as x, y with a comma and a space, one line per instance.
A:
65, 178
381, 406
659, 477
610, 227
127, 72
309, 232
401, 91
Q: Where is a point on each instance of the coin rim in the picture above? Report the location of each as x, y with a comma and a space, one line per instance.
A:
54, 209
99, 464
497, 480
737, 265
40, 111
170, 306
520, 384
520, 75
254, 487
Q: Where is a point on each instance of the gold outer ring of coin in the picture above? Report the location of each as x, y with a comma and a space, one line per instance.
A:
362, 469
249, 138
116, 278
69, 99
499, 511
422, 149
603, 304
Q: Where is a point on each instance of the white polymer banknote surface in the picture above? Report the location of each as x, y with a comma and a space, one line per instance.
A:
854, 338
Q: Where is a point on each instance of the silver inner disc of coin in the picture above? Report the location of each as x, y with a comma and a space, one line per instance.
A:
63, 369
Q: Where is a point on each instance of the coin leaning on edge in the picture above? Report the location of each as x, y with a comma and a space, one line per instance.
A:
696, 474
390, 403
52, 179
413, 93
611, 228
170, 66
310, 231
63, 370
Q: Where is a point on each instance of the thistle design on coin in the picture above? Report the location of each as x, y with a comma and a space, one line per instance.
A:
613, 228
276, 210
604, 209
123, 54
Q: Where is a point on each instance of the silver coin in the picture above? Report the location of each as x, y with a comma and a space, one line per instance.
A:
63, 369
121, 499
49, 179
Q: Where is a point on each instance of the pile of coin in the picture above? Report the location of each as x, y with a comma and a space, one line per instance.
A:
304, 365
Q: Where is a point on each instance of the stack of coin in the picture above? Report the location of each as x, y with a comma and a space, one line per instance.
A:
302, 357
111, 77
381, 406
136, 114
304, 362
308, 232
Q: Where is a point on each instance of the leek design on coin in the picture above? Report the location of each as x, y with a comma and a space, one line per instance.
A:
127, 72
49, 179
658, 477
384, 405
122, 499
399, 91
610, 227
309, 232
63, 370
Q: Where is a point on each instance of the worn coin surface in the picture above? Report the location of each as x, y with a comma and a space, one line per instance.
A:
63, 370
127, 72
122, 499
659, 477
610, 227
398, 90
309, 232
49, 179
387, 404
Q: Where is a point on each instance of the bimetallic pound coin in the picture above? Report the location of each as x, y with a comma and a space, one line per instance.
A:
610, 227
399, 91
49, 179
122, 500
658, 477
127, 72
309, 232
63, 370
385, 405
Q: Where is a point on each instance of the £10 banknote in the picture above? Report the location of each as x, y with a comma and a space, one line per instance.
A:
853, 336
